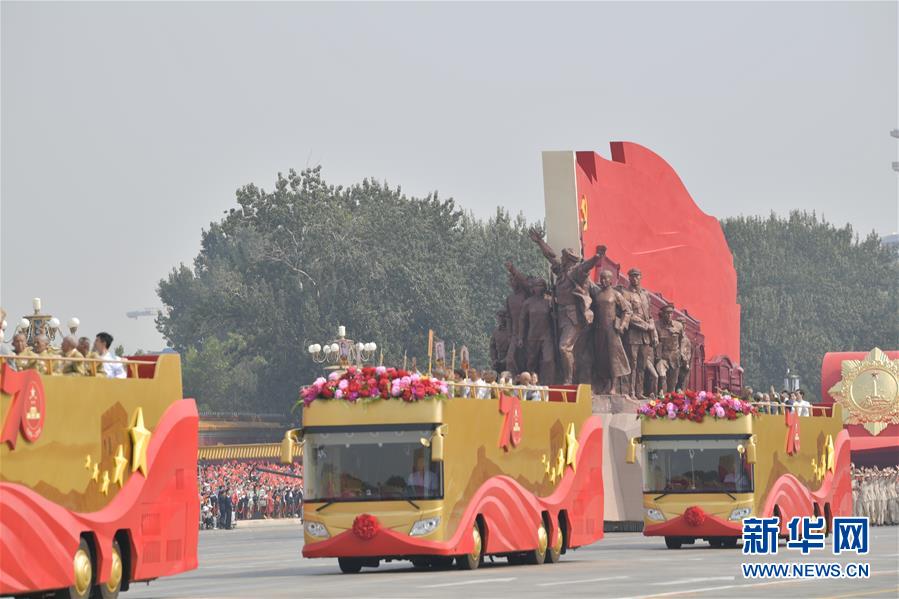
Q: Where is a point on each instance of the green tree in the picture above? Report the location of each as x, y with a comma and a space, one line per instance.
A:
806, 288
284, 268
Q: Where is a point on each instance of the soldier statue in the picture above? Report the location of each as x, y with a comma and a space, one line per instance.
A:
683, 377
641, 336
519, 284
572, 298
611, 318
670, 351
536, 332
499, 342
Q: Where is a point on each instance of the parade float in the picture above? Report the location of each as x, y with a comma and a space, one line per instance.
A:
711, 460
97, 476
397, 468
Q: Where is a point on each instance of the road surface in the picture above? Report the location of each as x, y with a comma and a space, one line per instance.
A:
263, 560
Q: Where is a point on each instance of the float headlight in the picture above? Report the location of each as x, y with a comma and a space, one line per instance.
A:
425, 527
317, 529
654, 514
740, 513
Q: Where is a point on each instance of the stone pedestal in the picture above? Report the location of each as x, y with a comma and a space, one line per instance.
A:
622, 481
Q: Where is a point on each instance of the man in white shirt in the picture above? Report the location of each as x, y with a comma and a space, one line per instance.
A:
803, 407
111, 366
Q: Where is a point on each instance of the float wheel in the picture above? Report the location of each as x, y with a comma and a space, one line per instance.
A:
537, 556
554, 551
82, 563
673, 542
349, 565
110, 589
471, 561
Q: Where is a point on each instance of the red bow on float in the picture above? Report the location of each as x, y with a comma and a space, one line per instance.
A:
792, 422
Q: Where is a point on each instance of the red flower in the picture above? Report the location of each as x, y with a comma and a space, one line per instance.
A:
366, 526
694, 516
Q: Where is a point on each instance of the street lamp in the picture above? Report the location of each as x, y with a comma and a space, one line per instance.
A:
791, 381
39, 324
342, 352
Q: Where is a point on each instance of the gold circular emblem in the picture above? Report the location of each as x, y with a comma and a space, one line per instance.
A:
873, 391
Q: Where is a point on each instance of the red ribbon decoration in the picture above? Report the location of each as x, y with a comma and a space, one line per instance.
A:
26, 390
695, 516
510, 405
366, 526
792, 422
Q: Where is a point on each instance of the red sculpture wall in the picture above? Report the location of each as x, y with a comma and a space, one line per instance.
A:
638, 207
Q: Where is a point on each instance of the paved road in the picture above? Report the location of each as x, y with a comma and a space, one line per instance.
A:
264, 561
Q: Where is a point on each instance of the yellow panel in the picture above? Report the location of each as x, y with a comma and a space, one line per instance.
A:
87, 416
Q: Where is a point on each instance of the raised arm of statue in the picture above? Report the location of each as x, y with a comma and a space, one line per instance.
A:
582, 271
516, 274
548, 252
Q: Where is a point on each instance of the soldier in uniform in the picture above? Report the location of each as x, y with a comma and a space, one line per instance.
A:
572, 296
611, 317
70, 366
535, 328
499, 342
683, 376
641, 336
24, 356
519, 284
670, 350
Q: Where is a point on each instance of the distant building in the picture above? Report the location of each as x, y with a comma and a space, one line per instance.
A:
890, 240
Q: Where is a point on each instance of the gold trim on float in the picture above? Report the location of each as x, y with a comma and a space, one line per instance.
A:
250, 451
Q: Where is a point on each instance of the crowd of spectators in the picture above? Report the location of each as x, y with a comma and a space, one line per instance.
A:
875, 493
246, 490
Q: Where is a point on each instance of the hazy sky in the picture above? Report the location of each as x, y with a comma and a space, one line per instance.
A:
126, 128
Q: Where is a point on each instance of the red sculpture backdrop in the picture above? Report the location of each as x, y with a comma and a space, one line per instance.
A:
638, 207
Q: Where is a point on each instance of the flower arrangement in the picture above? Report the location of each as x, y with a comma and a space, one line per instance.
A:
694, 406
366, 526
694, 516
372, 383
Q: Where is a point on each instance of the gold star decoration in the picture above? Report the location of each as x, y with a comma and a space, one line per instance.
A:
121, 462
560, 464
95, 473
140, 441
87, 462
104, 486
571, 446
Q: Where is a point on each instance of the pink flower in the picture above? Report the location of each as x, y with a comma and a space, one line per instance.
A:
343, 384
333, 376
338, 394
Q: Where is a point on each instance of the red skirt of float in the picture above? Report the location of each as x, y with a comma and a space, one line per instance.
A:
160, 512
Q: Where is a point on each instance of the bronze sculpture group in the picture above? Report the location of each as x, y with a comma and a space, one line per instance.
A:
576, 331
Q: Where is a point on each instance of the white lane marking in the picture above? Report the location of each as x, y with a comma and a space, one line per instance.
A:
723, 588
561, 582
690, 580
464, 582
